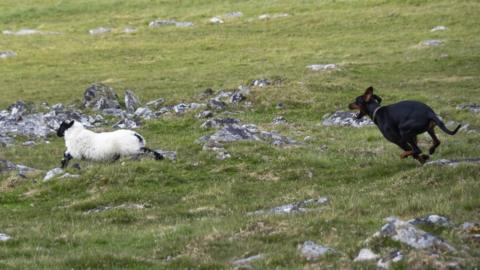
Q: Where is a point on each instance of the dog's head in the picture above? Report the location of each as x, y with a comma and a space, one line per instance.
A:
362, 101
63, 127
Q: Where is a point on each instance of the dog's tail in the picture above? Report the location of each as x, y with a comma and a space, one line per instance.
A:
442, 126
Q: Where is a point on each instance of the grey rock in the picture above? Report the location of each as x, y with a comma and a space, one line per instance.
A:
392, 257
432, 220
7, 54
312, 251
29, 143
5, 140
248, 259
131, 101
279, 120
145, 113
155, 104
204, 114
273, 16
432, 42
218, 148
233, 14
4, 237
346, 119
237, 97
216, 20
297, 207
219, 122
68, 175
59, 107
261, 83
100, 96
232, 133
280, 106
99, 31
216, 105
17, 110
159, 23
181, 108
129, 30
322, 67
121, 206
438, 28
408, 234
27, 32
454, 162
6, 166
366, 254
114, 112
472, 107
127, 123
52, 173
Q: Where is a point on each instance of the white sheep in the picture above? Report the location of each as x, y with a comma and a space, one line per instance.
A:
82, 143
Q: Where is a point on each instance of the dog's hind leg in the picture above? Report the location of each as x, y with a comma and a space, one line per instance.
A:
406, 148
417, 152
436, 141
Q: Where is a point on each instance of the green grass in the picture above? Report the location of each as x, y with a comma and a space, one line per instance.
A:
198, 204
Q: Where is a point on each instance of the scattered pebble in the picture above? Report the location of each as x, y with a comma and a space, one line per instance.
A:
4, 237
322, 67
432, 43
366, 254
439, 28
7, 54
216, 20
52, 173
312, 251
248, 259
99, 31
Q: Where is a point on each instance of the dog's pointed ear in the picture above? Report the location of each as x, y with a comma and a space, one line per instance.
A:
368, 94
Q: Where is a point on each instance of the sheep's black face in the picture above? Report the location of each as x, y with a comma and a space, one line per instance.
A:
63, 127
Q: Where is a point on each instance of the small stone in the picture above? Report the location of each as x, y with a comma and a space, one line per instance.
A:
279, 120
219, 122
432, 42
183, 24
280, 106
155, 103
392, 257
472, 107
115, 112
181, 108
439, 28
261, 83
99, 31
233, 14
29, 143
68, 175
204, 114
366, 254
248, 259
27, 32
7, 54
237, 97
322, 67
129, 30
272, 16
52, 173
159, 23
341, 118
432, 220
312, 251
216, 20
216, 104
4, 237
453, 163
131, 101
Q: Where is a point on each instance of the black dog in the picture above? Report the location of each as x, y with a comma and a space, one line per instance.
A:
401, 122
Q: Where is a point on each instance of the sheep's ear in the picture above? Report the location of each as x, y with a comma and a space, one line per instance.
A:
69, 125
368, 94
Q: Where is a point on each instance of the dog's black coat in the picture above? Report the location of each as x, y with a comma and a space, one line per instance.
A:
400, 123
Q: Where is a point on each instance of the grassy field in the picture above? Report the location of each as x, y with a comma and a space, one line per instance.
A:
197, 215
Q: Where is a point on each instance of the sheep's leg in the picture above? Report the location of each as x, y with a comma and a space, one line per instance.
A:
66, 158
157, 155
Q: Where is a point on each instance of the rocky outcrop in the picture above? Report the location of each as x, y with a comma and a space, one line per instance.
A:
312, 251
341, 118
99, 97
